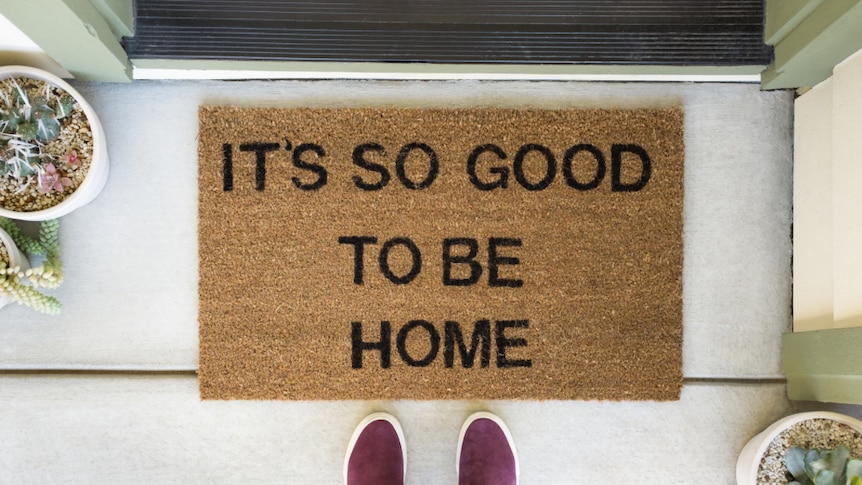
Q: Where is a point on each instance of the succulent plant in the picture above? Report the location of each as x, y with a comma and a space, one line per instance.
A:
823, 467
27, 123
22, 286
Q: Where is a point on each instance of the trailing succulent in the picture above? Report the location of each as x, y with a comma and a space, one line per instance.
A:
823, 467
25, 126
22, 286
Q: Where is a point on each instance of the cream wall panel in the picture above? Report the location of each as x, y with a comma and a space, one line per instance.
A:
812, 210
827, 224
847, 202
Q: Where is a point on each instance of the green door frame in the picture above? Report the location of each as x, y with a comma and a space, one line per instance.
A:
823, 365
83, 36
809, 37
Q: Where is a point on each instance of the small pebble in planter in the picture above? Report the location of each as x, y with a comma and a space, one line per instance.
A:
46, 144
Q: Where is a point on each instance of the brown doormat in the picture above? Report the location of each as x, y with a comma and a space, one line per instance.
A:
440, 253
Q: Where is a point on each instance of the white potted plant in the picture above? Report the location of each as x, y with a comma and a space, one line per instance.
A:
19, 282
818, 436
53, 155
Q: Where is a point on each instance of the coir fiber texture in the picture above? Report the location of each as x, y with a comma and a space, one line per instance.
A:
370, 253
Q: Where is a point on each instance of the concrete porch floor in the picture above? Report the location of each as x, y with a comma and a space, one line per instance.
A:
106, 392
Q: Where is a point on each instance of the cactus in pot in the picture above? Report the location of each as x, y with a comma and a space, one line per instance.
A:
823, 467
23, 286
53, 155
28, 123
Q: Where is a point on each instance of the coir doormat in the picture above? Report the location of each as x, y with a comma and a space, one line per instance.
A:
440, 253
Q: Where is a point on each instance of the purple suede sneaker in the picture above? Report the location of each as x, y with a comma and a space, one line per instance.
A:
375, 455
486, 452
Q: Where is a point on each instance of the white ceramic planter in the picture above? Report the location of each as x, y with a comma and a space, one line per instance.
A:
749, 459
18, 259
97, 175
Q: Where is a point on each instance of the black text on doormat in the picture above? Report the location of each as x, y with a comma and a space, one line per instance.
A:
440, 253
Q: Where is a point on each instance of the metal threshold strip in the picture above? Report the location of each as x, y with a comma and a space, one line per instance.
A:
447, 39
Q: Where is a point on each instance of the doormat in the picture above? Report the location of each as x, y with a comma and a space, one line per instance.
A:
440, 254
